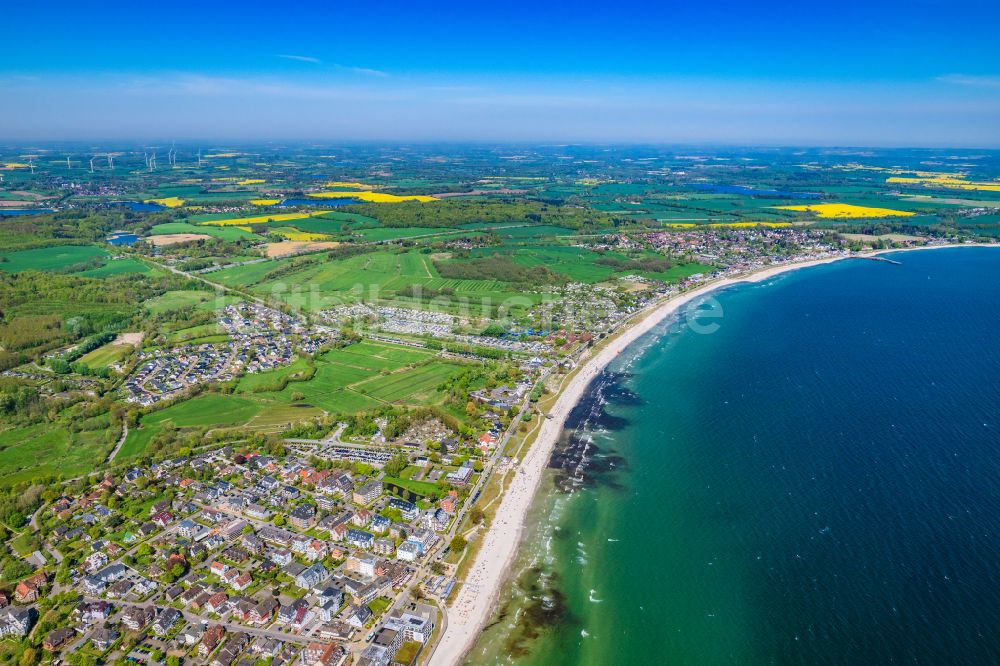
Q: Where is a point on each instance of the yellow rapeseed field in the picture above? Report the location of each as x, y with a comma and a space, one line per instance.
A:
16, 165
352, 185
743, 225
854, 166
945, 180
264, 202
373, 197
169, 202
262, 219
296, 235
835, 210
251, 181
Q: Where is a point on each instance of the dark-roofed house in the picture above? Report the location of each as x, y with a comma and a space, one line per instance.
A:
368, 493
312, 577
137, 617
358, 615
166, 620
303, 516
103, 638
15, 621
57, 638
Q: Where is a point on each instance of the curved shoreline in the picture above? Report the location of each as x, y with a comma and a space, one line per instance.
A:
478, 594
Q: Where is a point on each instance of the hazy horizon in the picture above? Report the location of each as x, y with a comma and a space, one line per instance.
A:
209, 143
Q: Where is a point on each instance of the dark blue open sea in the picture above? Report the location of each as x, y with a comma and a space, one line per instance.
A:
817, 482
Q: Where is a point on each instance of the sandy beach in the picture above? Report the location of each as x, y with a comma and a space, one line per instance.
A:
477, 596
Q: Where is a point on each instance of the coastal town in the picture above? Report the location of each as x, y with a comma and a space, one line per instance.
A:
244, 426
261, 339
239, 556
309, 554
395, 334
323, 551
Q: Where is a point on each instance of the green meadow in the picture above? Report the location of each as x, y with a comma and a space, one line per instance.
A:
360, 377
582, 265
277, 379
354, 278
249, 275
377, 234
120, 267
55, 258
224, 233
49, 448
410, 387
534, 231
422, 488
210, 410
197, 335
172, 301
367, 375
107, 355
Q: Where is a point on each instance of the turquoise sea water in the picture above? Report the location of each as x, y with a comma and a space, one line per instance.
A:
817, 482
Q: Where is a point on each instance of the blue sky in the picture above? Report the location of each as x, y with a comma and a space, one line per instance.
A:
921, 72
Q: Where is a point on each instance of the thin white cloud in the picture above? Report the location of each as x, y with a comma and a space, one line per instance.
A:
366, 71
199, 86
300, 58
971, 80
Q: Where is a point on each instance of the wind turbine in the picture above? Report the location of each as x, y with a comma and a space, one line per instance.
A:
111, 163
68, 165
31, 164
92, 163
199, 158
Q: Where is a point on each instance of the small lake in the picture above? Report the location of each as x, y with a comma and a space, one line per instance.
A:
140, 206
753, 192
122, 239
